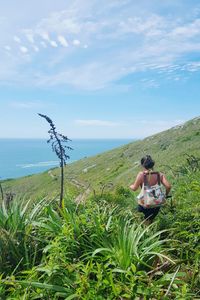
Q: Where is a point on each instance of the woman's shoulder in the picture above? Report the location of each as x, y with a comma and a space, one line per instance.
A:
159, 174
140, 173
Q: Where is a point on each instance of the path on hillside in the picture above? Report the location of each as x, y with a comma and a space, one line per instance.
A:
82, 196
128, 171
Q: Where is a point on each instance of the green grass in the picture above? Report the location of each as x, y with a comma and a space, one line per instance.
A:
103, 251
101, 248
118, 166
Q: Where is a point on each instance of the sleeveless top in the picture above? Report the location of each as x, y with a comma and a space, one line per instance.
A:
152, 177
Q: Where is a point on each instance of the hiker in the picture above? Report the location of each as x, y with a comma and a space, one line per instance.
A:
151, 178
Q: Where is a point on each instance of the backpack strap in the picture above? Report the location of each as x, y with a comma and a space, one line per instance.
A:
158, 176
145, 178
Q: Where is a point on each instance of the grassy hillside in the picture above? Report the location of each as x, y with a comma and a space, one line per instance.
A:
102, 248
115, 167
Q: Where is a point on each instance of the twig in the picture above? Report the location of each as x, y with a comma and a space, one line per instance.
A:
158, 268
1, 189
173, 278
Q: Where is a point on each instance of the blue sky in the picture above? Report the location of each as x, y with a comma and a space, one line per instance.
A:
109, 69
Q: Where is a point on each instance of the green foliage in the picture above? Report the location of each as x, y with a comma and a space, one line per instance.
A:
131, 243
101, 249
19, 244
118, 166
185, 220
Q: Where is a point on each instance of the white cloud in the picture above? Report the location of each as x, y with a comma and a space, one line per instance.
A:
92, 76
61, 21
144, 128
30, 37
44, 45
137, 128
133, 39
17, 39
62, 41
152, 26
159, 123
23, 49
25, 105
36, 49
53, 44
45, 35
8, 48
150, 83
188, 30
98, 123
76, 42
193, 67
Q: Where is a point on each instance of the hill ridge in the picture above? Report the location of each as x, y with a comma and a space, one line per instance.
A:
117, 166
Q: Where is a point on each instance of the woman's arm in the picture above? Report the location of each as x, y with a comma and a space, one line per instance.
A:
166, 184
138, 182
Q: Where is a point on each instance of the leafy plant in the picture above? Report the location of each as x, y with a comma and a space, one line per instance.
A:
19, 245
132, 243
101, 250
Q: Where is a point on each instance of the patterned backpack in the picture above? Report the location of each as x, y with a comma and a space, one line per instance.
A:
151, 196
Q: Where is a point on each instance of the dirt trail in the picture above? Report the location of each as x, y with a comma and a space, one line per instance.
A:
82, 196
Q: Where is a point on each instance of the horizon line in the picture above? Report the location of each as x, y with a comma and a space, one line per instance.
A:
73, 138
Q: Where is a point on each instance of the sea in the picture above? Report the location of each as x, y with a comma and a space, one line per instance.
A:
22, 157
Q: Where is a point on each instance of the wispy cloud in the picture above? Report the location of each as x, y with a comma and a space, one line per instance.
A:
8, 48
53, 44
17, 39
36, 48
63, 41
99, 123
164, 124
104, 47
76, 42
26, 105
23, 49
144, 127
29, 36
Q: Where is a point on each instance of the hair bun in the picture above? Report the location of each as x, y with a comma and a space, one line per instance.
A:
147, 162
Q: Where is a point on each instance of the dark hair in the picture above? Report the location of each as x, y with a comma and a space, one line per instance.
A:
147, 162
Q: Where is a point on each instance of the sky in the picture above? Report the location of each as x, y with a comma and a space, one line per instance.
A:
98, 69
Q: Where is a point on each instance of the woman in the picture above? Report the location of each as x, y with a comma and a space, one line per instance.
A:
147, 164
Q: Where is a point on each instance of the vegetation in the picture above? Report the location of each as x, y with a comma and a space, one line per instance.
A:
100, 248
1, 190
114, 168
57, 143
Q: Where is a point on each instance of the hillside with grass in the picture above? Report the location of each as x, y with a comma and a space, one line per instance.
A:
101, 248
114, 168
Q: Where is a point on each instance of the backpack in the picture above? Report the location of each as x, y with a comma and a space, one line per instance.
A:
151, 196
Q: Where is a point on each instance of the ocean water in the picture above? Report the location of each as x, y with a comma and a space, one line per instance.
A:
21, 157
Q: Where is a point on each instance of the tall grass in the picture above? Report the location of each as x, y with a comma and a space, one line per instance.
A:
19, 244
133, 243
98, 250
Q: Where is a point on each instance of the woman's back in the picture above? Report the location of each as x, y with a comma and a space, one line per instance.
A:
152, 177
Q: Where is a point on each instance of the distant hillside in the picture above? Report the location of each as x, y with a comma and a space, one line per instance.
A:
115, 167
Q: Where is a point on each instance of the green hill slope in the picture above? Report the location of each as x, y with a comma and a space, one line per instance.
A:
115, 167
